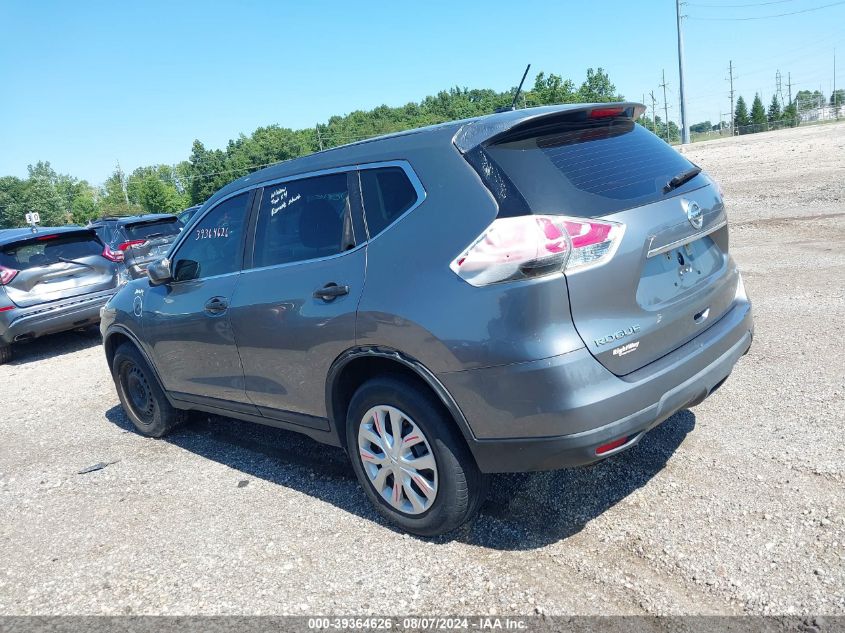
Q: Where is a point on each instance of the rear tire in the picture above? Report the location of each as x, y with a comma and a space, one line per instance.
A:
141, 396
5, 354
411, 459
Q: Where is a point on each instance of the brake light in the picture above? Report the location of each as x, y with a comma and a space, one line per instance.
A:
6, 275
130, 244
602, 113
536, 245
7, 308
113, 256
42, 238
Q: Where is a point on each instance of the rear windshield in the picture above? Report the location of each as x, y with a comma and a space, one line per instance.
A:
589, 171
153, 229
46, 249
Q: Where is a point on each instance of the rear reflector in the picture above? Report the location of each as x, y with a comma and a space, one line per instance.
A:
6, 275
530, 246
606, 448
7, 308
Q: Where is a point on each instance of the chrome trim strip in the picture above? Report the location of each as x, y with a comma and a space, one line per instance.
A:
686, 240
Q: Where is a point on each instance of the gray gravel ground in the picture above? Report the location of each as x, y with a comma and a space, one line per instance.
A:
734, 507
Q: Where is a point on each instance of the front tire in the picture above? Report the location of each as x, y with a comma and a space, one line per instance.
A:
141, 396
410, 458
5, 353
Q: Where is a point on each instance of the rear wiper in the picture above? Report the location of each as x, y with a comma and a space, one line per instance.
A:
74, 261
684, 176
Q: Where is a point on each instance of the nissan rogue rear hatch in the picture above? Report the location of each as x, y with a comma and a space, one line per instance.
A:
49, 267
668, 276
149, 240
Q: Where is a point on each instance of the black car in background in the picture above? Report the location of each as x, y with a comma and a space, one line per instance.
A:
52, 280
141, 239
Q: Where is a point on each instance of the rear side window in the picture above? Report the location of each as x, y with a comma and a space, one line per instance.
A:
590, 170
303, 219
387, 193
45, 250
156, 228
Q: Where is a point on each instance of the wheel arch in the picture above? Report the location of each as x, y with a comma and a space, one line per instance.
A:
355, 366
117, 335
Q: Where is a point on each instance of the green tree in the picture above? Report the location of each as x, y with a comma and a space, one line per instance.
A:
758, 112
741, 118
597, 88
806, 100
837, 99
774, 115
705, 126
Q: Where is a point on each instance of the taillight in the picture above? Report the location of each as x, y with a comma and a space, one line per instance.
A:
113, 256
130, 244
535, 245
6, 275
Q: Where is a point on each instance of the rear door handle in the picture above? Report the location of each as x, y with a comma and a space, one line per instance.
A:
216, 305
331, 291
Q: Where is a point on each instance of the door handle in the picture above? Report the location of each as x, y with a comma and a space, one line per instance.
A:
330, 292
216, 305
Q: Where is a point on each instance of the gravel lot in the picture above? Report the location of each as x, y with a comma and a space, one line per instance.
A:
737, 506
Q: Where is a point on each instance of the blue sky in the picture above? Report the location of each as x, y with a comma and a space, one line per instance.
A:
86, 83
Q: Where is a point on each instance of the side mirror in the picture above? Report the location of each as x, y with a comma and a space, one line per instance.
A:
186, 269
159, 272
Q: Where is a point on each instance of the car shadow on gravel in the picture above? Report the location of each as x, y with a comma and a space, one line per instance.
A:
53, 345
523, 511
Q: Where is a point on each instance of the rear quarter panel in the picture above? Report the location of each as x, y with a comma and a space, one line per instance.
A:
414, 303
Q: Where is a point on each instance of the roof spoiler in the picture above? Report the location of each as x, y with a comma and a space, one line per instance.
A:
499, 127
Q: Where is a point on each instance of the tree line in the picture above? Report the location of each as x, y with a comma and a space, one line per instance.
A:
62, 198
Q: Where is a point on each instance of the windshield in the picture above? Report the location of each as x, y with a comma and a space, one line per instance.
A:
45, 250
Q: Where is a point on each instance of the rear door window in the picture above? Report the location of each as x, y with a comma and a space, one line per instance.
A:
387, 194
590, 170
45, 250
303, 219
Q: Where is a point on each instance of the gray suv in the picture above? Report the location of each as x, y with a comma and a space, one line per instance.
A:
530, 290
52, 280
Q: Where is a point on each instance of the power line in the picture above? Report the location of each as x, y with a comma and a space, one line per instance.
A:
766, 17
736, 6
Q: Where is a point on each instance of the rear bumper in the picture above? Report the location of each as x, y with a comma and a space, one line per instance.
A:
28, 323
554, 413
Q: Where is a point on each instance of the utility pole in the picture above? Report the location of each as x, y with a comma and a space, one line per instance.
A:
789, 86
665, 105
122, 183
731, 79
778, 86
319, 138
834, 102
684, 122
653, 112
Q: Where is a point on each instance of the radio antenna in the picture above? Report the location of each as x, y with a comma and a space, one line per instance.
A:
518, 92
